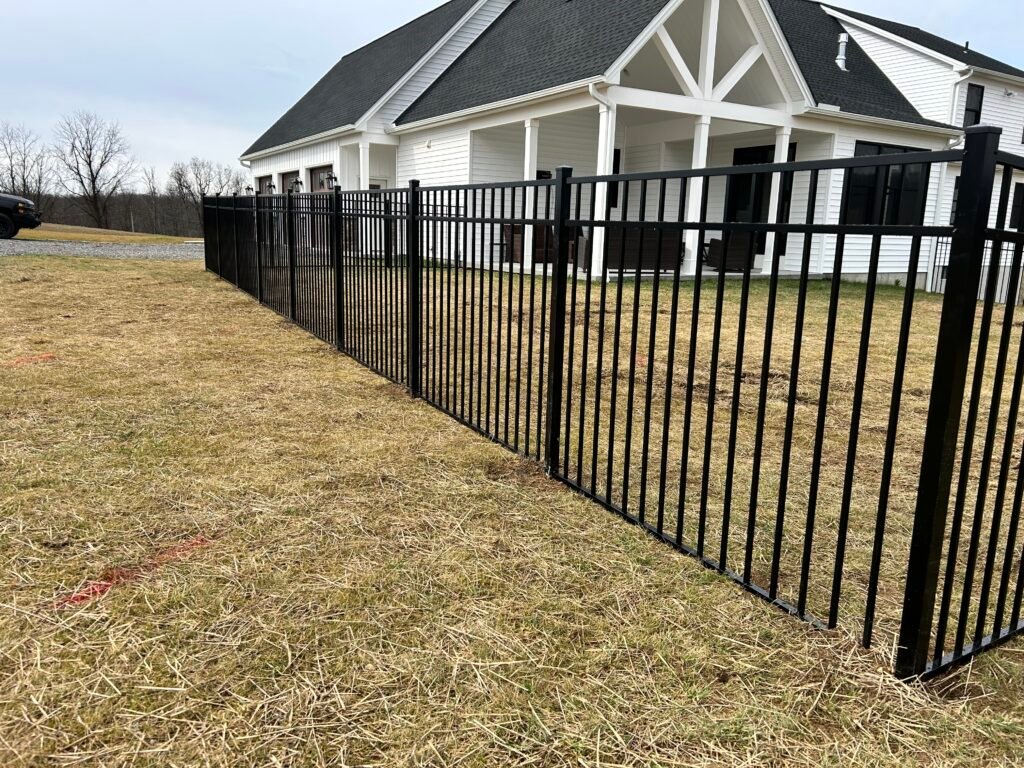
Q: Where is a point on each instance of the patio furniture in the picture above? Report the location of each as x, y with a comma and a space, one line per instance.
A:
654, 248
740, 255
543, 245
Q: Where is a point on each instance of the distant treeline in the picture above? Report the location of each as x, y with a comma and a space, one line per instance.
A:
155, 214
87, 176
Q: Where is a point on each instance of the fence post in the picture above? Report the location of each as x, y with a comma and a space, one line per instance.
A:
414, 289
339, 325
956, 333
289, 225
556, 338
259, 253
216, 227
234, 237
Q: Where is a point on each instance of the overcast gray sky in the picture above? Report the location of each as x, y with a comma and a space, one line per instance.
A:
206, 77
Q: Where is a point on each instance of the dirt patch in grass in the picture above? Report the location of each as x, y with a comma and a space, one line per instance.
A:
384, 587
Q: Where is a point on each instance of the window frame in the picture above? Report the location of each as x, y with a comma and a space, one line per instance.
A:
315, 183
1017, 206
975, 112
892, 213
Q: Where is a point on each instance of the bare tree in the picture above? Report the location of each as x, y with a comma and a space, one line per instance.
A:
198, 178
94, 163
153, 197
26, 164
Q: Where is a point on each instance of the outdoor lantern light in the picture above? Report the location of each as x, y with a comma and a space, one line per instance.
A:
332, 180
297, 185
271, 189
249, 190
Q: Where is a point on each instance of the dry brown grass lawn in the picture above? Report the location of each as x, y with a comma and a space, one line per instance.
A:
380, 587
92, 235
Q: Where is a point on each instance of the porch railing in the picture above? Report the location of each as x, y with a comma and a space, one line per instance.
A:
845, 449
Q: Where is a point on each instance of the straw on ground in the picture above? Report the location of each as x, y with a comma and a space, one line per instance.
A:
381, 587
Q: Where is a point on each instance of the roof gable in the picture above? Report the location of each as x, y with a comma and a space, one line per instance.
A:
534, 46
813, 37
947, 48
357, 82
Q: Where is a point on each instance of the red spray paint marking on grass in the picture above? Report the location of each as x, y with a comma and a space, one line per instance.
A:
113, 577
46, 357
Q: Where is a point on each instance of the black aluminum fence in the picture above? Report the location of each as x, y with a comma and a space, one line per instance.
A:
1003, 272
800, 433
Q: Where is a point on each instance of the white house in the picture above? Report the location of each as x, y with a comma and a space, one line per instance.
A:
499, 90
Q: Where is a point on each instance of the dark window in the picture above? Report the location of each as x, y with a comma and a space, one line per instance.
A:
1018, 206
749, 197
893, 195
263, 184
975, 100
613, 189
956, 200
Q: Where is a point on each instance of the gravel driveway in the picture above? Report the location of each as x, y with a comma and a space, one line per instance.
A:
163, 252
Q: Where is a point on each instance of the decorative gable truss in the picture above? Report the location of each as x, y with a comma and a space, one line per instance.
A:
739, 68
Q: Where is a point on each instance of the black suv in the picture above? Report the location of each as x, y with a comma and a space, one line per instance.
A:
17, 213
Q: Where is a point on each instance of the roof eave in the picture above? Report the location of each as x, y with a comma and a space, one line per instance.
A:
334, 133
888, 122
498, 106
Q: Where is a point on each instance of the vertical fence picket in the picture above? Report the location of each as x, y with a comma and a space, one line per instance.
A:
259, 250
216, 228
414, 288
289, 226
556, 339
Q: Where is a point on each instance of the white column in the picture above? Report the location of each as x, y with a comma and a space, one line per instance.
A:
605, 166
364, 164
763, 261
701, 142
532, 128
339, 166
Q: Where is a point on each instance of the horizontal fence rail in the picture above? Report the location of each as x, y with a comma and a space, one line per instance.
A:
720, 356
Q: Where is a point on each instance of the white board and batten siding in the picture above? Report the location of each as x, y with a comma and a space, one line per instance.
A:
299, 159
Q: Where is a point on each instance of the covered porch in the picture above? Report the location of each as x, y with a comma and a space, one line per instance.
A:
630, 140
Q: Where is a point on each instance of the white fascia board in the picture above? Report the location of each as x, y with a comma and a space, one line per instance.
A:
787, 52
331, 134
530, 99
850, 117
361, 122
894, 38
1012, 79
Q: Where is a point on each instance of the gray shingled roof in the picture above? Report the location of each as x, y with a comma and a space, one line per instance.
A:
360, 79
541, 44
536, 45
813, 36
938, 44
